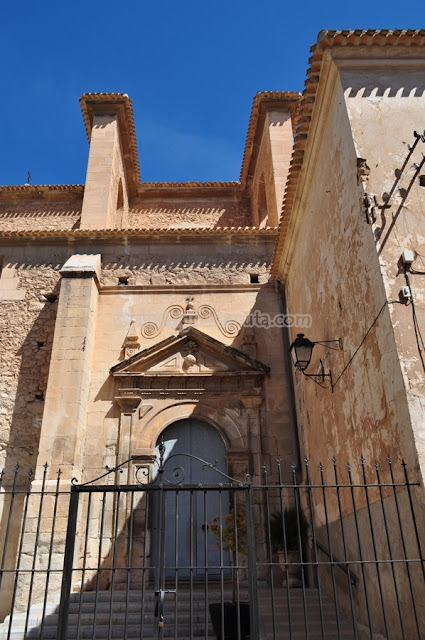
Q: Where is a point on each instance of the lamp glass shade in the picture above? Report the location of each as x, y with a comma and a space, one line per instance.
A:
301, 350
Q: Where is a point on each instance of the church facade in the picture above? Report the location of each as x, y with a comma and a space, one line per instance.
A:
138, 313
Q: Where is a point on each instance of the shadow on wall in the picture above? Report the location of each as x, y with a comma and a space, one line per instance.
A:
27, 330
409, 90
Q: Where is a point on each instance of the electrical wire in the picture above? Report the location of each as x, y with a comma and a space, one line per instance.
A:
362, 342
419, 338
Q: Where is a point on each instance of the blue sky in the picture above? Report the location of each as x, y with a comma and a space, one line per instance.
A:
191, 69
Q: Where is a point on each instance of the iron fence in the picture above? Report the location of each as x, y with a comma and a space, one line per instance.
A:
320, 552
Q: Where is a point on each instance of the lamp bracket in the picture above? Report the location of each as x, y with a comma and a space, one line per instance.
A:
321, 377
329, 342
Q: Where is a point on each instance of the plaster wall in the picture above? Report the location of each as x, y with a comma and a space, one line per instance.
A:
335, 276
375, 98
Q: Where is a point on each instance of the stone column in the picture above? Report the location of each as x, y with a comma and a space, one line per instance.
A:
64, 420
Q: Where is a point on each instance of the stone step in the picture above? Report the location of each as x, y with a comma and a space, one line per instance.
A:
118, 616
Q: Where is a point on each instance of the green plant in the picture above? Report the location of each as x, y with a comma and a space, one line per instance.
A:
289, 525
231, 536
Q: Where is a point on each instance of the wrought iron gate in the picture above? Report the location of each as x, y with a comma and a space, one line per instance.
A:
176, 547
106, 559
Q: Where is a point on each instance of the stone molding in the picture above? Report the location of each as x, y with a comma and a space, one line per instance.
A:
82, 265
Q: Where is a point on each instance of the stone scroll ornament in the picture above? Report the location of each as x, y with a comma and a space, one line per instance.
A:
230, 328
151, 329
189, 316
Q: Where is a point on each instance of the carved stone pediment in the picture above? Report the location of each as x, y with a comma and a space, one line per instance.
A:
190, 353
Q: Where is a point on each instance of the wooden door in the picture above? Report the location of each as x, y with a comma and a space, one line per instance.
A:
190, 547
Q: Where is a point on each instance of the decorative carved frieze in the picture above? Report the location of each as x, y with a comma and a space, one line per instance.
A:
191, 365
188, 317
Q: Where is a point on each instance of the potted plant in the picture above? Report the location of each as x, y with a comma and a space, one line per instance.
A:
232, 537
287, 529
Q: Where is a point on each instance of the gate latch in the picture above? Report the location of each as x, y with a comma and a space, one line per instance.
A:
159, 609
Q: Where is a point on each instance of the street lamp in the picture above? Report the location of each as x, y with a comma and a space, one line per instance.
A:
301, 350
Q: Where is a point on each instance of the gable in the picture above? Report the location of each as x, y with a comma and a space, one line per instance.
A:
191, 352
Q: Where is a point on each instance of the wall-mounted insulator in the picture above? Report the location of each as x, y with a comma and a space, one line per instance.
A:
405, 293
419, 135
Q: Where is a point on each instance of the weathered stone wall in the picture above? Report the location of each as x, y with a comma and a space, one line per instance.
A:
335, 276
151, 213
149, 308
230, 277
23, 215
27, 322
188, 264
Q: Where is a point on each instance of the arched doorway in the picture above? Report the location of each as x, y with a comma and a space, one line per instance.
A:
189, 548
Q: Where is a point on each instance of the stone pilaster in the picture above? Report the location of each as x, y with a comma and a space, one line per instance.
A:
128, 405
64, 420
252, 409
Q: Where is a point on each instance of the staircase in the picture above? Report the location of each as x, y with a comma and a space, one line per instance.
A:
118, 616
301, 613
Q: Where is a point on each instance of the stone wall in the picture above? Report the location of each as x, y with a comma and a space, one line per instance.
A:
149, 308
23, 215
137, 283
27, 319
162, 264
212, 212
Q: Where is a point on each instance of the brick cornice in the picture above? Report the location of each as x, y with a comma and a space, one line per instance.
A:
34, 191
76, 235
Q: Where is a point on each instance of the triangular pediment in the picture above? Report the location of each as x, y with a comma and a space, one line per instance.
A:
191, 352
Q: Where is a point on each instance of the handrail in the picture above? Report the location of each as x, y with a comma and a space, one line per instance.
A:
338, 563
